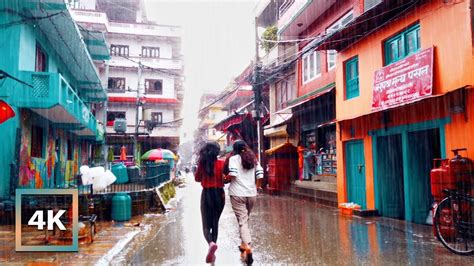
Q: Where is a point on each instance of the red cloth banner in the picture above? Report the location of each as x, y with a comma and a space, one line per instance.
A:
403, 82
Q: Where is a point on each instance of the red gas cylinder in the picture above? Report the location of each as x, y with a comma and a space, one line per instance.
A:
440, 178
461, 168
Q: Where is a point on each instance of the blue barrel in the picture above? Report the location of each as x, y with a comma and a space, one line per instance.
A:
121, 207
120, 171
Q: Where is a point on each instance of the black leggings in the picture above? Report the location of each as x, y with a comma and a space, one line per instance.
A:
212, 205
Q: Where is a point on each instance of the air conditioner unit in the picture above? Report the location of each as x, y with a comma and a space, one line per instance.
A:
120, 125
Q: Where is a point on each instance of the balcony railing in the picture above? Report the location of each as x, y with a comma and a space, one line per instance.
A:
51, 91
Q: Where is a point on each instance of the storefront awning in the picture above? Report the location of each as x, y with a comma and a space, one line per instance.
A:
308, 97
457, 95
280, 118
275, 131
232, 120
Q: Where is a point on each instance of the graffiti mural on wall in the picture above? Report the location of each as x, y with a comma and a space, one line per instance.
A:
40, 172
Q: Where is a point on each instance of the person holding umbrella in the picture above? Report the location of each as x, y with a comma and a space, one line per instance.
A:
210, 174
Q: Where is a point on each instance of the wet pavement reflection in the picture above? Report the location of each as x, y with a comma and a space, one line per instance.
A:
287, 230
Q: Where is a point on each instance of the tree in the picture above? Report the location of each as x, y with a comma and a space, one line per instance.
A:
269, 36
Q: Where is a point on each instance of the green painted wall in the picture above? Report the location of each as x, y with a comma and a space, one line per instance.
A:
17, 54
9, 51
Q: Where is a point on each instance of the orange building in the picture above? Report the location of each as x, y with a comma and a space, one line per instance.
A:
405, 80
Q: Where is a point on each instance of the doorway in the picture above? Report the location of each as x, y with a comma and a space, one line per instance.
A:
390, 177
355, 172
424, 146
403, 161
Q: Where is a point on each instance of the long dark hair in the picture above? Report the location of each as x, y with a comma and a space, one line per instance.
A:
208, 157
249, 160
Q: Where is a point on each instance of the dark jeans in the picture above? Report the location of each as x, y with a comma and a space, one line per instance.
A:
212, 205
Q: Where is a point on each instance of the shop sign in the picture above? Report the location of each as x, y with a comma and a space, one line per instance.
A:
405, 81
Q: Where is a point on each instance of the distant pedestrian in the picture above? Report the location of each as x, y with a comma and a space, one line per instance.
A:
246, 175
209, 173
301, 150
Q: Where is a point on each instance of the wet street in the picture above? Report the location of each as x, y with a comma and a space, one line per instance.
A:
287, 230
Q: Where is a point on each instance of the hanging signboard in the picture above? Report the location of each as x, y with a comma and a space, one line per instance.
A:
403, 82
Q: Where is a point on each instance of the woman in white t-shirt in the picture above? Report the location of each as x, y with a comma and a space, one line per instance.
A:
246, 175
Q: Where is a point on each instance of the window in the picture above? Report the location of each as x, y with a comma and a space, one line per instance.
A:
331, 59
70, 150
157, 117
352, 78
340, 23
116, 85
111, 116
285, 91
311, 66
154, 86
151, 52
402, 45
37, 138
120, 50
41, 60
368, 4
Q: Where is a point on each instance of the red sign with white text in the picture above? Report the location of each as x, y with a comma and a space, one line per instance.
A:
405, 81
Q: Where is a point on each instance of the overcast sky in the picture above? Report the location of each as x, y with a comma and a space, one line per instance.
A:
218, 43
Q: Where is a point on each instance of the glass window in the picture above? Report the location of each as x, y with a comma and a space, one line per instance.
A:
120, 50
305, 68
402, 45
116, 85
331, 59
311, 66
154, 86
151, 52
352, 78
111, 116
157, 117
41, 60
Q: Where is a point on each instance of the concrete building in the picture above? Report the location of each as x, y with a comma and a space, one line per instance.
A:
405, 74
49, 79
210, 113
144, 74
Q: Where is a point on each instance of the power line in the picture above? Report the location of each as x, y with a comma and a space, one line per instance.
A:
26, 18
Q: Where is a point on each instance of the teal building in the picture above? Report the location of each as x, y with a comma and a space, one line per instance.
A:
50, 80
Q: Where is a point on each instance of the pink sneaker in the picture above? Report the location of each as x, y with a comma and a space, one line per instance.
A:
210, 252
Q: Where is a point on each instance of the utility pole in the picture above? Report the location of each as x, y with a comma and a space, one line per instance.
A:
257, 90
137, 120
104, 117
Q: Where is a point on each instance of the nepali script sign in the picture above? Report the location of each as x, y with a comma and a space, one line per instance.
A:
405, 81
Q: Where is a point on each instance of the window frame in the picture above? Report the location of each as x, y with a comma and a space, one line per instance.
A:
348, 90
402, 39
158, 114
110, 123
339, 24
119, 50
41, 59
313, 57
153, 90
116, 89
334, 60
150, 52
285, 90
